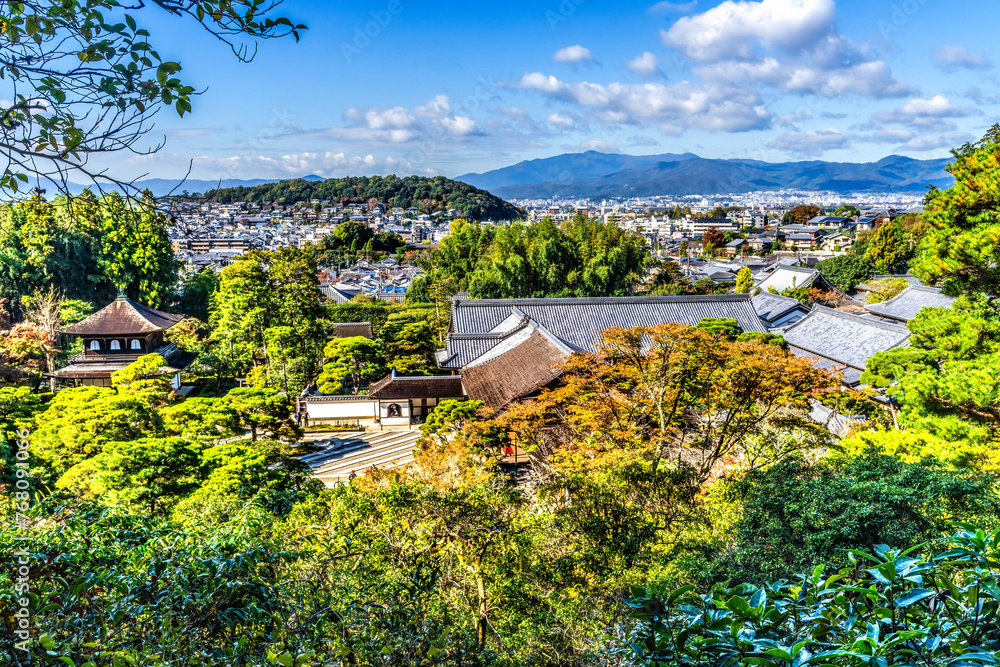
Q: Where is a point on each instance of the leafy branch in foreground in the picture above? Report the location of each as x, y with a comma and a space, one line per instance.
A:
85, 79
889, 608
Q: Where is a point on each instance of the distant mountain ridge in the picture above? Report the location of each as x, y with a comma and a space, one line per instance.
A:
597, 175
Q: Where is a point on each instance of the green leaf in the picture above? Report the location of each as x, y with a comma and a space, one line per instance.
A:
913, 596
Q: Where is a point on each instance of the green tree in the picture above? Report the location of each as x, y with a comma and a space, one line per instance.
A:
886, 250
263, 410
744, 281
962, 249
153, 474
350, 364
846, 271
794, 515
847, 210
135, 251
195, 297
882, 290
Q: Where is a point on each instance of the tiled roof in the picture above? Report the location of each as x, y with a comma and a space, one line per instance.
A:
905, 305
578, 321
842, 339
785, 277
771, 307
123, 317
395, 387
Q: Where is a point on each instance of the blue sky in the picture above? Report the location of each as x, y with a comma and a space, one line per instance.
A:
414, 86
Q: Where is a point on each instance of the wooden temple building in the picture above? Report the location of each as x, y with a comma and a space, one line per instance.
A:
116, 336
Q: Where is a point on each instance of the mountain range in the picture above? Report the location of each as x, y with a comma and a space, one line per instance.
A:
599, 175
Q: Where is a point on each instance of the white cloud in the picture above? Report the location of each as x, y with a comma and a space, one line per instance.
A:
645, 65
435, 120
684, 105
811, 143
600, 146
737, 29
951, 58
573, 54
929, 115
793, 45
561, 122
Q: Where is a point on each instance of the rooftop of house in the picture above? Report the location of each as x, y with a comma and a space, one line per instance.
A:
124, 317
905, 306
842, 341
479, 325
771, 307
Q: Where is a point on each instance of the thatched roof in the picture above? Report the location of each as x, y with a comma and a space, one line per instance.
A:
517, 372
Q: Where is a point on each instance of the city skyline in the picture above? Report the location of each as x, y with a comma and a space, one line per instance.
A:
410, 87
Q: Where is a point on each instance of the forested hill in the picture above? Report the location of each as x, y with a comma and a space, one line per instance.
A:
427, 194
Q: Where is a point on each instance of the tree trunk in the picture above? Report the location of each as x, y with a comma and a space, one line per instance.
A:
481, 623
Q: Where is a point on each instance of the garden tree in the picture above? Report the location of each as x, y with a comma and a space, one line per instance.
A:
410, 338
712, 237
146, 379
847, 210
962, 249
886, 249
24, 353
801, 214
794, 515
262, 471
846, 271
241, 311
194, 298
200, 419
351, 363
885, 289
135, 251
587, 257
682, 249
943, 383
151, 474
261, 291
79, 421
744, 281
263, 411
900, 607
84, 85
649, 416
286, 368
419, 291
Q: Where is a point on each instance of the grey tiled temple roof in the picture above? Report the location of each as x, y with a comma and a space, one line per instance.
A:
905, 306
842, 341
476, 323
770, 307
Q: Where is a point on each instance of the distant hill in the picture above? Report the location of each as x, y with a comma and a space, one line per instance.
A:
597, 175
427, 194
